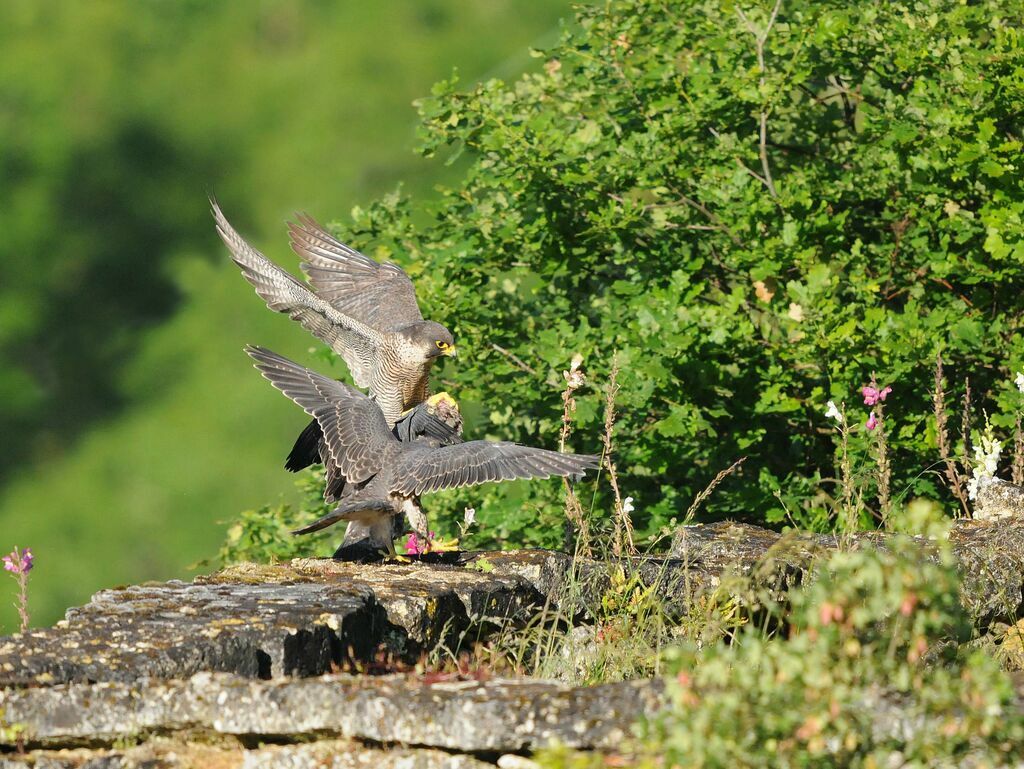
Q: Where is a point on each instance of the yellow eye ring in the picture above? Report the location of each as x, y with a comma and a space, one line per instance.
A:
441, 345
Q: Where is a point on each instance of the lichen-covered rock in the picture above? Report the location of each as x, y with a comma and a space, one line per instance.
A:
989, 554
998, 499
576, 586
311, 615
177, 629
174, 753
764, 558
498, 716
723, 545
263, 621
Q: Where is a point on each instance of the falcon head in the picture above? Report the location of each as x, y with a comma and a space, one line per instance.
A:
433, 340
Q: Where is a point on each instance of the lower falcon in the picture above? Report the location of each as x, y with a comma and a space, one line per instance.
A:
388, 475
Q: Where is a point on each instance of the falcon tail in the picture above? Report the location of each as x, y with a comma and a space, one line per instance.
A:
348, 512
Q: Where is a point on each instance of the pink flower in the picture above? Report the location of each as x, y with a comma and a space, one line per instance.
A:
873, 395
413, 545
19, 563
873, 421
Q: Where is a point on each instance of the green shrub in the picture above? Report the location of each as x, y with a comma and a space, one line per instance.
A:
264, 535
866, 670
618, 200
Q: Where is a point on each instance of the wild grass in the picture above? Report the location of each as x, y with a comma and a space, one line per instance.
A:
622, 541
577, 529
954, 479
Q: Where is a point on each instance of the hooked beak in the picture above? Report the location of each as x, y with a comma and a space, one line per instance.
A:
451, 352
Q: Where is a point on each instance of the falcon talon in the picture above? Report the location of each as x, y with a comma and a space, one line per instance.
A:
443, 546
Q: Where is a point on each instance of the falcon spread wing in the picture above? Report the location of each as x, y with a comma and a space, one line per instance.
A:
354, 429
355, 341
360, 443
380, 295
417, 423
421, 469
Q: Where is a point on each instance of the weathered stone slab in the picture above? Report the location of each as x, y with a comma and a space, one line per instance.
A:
262, 621
991, 562
493, 717
998, 499
576, 585
310, 616
325, 754
990, 554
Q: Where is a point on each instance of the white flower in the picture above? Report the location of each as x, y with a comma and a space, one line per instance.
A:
468, 517
832, 412
1019, 381
986, 459
627, 505
574, 377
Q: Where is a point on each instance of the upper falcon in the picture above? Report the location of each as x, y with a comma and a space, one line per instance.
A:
365, 311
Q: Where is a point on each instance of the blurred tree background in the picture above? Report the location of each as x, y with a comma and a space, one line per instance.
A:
130, 420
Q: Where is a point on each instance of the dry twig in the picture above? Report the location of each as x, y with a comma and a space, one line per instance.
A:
699, 499
623, 522
514, 359
954, 479
760, 38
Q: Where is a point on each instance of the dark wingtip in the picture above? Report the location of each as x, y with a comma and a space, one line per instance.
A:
306, 450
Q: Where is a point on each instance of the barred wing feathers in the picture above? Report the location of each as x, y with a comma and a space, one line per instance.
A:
380, 295
356, 342
354, 429
421, 469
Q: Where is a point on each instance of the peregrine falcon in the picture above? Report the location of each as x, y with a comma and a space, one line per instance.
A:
437, 417
389, 475
366, 312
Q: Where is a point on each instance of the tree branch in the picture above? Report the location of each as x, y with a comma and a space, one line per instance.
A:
760, 38
514, 359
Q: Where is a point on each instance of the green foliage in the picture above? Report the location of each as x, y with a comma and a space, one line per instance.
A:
865, 671
617, 200
264, 535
